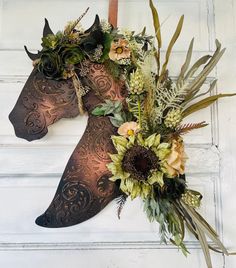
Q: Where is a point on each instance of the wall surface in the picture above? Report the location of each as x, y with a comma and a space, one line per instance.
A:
30, 172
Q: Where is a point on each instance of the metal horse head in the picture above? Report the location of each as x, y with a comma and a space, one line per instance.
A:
84, 189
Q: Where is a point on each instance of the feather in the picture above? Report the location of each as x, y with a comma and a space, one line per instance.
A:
184, 129
71, 26
121, 200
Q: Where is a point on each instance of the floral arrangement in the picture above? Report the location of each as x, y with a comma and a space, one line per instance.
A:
150, 157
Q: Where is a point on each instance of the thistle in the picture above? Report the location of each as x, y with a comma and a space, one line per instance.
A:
136, 82
173, 118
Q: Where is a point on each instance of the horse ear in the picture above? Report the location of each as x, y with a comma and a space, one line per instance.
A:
47, 30
95, 25
31, 55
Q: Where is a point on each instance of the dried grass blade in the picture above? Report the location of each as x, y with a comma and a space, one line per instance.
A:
204, 245
186, 64
171, 44
201, 78
156, 23
205, 227
204, 103
203, 60
212, 86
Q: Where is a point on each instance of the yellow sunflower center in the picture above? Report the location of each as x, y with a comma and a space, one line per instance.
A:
130, 132
119, 50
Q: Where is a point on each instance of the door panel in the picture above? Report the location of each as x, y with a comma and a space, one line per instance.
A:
30, 172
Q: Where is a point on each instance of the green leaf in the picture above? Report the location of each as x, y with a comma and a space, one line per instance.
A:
157, 140
143, 31
172, 42
115, 122
109, 107
119, 140
140, 139
156, 177
150, 140
145, 191
119, 117
114, 178
98, 111
107, 44
184, 249
111, 167
153, 204
204, 103
115, 157
117, 104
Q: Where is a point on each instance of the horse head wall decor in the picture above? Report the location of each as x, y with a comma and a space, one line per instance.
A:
46, 98
133, 144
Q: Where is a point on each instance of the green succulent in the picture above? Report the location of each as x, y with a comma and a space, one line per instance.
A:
72, 55
52, 41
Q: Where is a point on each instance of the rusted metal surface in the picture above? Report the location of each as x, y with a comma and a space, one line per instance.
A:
84, 189
41, 103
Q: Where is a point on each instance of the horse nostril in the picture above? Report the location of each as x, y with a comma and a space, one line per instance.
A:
27, 126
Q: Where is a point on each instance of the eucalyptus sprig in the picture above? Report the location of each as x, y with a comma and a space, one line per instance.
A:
114, 110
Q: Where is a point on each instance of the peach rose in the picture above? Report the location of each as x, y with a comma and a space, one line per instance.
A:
175, 162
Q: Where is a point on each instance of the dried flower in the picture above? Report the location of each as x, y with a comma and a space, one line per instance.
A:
73, 25
106, 26
192, 198
175, 161
173, 118
119, 50
136, 82
97, 53
36, 62
128, 129
127, 33
135, 46
124, 62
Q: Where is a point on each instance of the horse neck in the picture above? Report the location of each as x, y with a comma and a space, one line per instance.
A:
101, 85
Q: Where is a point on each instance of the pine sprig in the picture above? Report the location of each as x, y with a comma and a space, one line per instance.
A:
121, 200
186, 128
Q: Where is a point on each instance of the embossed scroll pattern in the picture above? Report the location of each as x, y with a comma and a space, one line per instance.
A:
41, 103
85, 189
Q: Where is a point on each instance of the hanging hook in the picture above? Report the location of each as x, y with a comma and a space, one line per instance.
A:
113, 12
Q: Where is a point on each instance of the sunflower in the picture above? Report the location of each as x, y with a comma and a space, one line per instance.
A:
139, 163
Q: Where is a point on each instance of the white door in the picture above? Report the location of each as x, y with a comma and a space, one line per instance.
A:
30, 172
